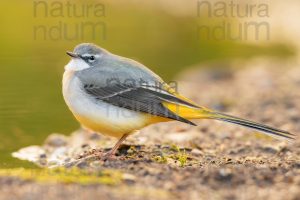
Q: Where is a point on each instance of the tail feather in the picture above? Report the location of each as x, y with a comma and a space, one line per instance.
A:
274, 132
204, 113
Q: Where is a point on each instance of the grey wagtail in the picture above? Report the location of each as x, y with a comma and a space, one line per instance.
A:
116, 96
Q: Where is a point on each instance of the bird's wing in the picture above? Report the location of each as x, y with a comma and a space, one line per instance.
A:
147, 99
125, 83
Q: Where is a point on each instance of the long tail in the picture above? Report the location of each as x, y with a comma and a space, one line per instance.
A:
274, 132
203, 113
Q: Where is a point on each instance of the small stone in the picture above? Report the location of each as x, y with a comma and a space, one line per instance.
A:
31, 153
269, 149
95, 136
82, 165
196, 152
129, 177
179, 137
224, 175
43, 155
56, 140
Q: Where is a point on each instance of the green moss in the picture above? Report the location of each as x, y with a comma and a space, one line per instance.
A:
174, 153
131, 150
160, 159
181, 157
175, 148
74, 175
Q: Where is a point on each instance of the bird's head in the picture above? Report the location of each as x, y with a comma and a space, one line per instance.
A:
85, 55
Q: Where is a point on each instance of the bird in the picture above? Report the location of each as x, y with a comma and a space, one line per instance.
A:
117, 96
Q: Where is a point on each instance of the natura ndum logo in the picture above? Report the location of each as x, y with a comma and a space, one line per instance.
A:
68, 20
233, 21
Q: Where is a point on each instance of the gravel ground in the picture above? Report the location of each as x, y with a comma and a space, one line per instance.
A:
172, 160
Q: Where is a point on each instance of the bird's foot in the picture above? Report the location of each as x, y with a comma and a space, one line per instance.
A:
89, 153
93, 155
110, 155
98, 154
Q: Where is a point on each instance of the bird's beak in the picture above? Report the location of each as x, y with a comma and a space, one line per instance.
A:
73, 55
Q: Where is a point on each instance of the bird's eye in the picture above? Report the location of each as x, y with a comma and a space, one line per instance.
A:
92, 58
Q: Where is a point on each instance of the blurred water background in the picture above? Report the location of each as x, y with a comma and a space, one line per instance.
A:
168, 36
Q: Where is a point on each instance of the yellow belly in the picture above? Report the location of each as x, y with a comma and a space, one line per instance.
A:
114, 130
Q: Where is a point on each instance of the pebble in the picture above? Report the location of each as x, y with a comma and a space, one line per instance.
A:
197, 152
56, 140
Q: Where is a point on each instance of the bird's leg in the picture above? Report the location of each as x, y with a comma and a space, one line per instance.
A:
115, 148
97, 154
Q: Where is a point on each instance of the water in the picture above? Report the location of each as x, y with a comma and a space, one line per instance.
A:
31, 106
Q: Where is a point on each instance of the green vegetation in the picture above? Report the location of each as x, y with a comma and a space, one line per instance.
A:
174, 154
181, 156
160, 159
74, 175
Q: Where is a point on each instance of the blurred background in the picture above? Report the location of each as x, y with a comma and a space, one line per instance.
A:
168, 36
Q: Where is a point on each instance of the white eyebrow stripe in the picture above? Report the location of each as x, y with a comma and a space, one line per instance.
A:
88, 55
